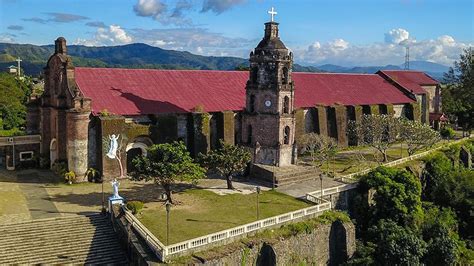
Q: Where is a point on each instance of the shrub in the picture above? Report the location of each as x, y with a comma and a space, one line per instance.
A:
135, 206
447, 133
70, 177
298, 228
93, 175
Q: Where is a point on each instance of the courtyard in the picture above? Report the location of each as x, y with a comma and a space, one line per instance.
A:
37, 194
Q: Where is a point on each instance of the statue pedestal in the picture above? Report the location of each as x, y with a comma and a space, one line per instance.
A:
115, 200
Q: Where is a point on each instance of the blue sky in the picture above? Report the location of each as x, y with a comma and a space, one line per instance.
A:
357, 32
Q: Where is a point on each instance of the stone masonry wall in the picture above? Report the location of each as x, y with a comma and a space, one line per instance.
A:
322, 119
329, 244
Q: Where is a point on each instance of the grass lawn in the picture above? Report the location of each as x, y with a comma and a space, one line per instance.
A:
203, 212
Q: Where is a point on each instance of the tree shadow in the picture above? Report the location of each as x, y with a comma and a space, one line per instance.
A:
38, 176
147, 106
145, 192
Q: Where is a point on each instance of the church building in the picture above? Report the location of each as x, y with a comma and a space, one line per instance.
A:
265, 109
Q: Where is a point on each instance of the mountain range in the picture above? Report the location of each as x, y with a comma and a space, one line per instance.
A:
433, 69
139, 55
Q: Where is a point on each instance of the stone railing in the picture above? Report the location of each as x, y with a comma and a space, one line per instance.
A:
155, 245
17, 140
317, 197
163, 252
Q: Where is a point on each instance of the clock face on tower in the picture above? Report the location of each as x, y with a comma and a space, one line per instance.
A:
268, 103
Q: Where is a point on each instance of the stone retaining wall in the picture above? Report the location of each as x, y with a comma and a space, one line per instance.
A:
330, 244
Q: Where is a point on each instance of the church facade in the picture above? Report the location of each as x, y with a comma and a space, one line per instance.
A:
265, 109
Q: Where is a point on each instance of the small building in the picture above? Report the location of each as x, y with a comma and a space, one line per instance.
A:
12, 69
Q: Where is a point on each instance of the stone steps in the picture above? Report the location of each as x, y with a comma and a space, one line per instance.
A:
287, 175
51, 221
76, 239
40, 231
56, 242
53, 257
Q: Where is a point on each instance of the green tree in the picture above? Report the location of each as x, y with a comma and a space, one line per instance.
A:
438, 179
417, 135
228, 161
458, 94
449, 186
395, 195
13, 96
440, 233
395, 244
166, 164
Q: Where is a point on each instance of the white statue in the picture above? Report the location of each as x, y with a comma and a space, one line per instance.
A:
115, 186
112, 154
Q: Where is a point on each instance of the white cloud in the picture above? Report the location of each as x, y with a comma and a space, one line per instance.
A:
219, 6
111, 35
396, 36
159, 11
339, 44
443, 50
7, 37
195, 40
149, 8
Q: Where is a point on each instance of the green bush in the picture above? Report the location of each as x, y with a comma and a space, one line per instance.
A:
135, 206
447, 133
93, 175
70, 177
11, 132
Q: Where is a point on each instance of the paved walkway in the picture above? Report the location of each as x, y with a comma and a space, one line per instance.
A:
299, 189
37, 198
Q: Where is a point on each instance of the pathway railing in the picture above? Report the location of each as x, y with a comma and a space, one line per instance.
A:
162, 251
155, 245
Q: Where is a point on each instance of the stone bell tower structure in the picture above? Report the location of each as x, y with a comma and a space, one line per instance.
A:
268, 123
64, 113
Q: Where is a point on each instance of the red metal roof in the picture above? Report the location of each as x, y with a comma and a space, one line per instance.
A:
149, 91
410, 80
345, 89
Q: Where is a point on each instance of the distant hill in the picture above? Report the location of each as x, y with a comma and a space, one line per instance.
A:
433, 69
137, 55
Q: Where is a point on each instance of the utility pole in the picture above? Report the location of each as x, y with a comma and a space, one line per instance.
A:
407, 57
18, 70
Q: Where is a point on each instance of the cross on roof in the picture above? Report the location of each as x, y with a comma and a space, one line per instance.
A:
272, 13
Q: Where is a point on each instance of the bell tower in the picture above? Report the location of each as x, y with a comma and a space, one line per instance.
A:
268, 120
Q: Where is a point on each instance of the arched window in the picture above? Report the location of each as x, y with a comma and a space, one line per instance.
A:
286, 135
249, 134
252, 103
286, 105
284, 75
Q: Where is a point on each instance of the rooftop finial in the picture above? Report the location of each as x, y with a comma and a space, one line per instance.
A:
272, 13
